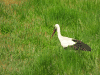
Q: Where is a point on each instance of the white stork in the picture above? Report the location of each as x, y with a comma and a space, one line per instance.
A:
66, 41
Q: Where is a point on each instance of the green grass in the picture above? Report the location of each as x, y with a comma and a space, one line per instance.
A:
26, 47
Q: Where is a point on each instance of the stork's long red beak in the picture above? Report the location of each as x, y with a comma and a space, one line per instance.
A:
53, 32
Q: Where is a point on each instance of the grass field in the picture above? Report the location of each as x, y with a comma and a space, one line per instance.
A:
26, 47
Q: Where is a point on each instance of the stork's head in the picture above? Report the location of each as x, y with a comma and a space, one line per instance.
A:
55, 28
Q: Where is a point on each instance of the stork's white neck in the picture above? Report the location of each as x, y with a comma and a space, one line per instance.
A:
58, 31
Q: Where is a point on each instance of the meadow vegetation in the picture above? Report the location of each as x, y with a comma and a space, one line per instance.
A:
26, 47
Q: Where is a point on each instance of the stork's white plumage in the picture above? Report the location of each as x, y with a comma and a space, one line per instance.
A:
66, 41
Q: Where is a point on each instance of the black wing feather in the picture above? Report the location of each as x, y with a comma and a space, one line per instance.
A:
80, 45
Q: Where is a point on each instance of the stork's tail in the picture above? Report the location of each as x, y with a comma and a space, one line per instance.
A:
80, 45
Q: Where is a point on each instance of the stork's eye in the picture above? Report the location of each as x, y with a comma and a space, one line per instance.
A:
55, 28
